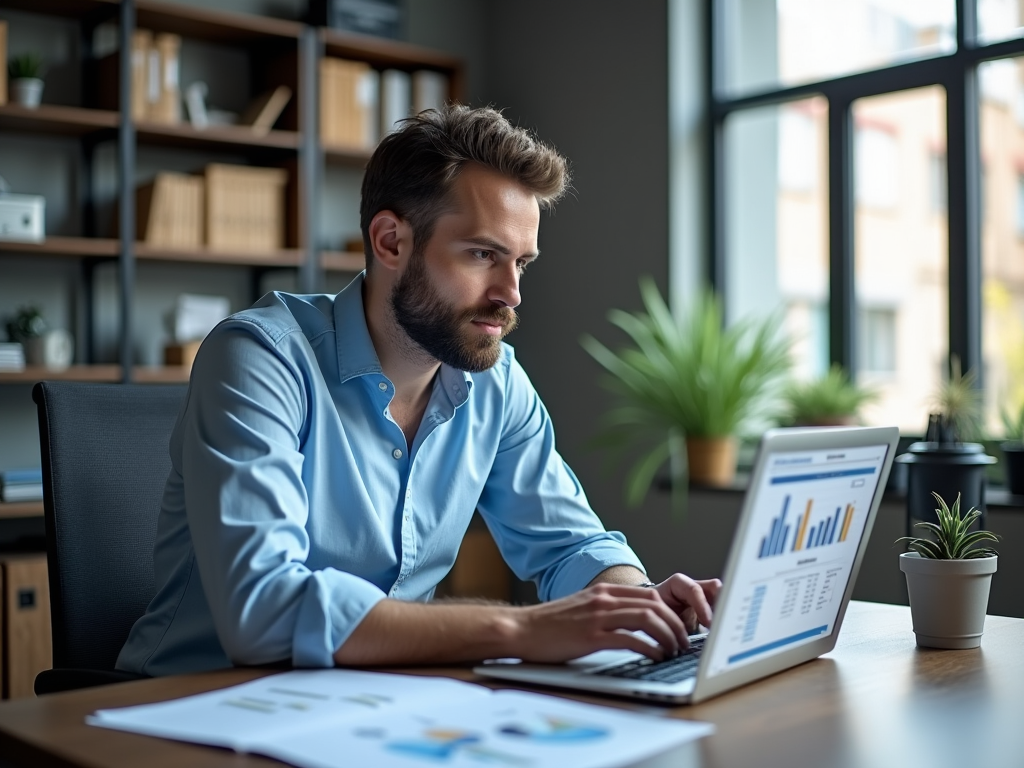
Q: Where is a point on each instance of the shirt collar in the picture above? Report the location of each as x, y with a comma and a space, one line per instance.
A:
356, 355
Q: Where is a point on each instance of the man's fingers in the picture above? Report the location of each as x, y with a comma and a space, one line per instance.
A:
627, 641
646, 620
695, 595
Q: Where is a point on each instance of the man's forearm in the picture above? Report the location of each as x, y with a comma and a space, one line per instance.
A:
621, 574
397, 632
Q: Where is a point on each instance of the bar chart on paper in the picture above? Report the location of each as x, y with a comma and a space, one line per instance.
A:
827, 529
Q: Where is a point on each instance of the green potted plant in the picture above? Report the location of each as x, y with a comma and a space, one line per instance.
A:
26, 73
946, 462
686, 387
949, 578
1013, 451
831, 400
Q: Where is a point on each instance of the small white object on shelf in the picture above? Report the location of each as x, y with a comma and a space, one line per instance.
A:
22, 217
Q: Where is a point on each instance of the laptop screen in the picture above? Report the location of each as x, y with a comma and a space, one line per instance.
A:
809, 513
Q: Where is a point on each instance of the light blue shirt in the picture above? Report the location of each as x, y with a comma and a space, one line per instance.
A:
294, 503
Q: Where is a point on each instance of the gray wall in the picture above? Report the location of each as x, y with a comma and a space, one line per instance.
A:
591, 77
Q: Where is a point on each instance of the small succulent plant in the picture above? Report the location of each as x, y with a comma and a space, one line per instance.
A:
954, 539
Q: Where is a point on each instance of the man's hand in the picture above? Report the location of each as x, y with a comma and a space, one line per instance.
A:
601, 617
691, 599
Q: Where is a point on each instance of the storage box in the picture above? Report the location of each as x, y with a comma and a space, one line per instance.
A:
245, 208
21, 217
26, 647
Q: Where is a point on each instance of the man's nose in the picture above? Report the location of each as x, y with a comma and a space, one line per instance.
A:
505, 288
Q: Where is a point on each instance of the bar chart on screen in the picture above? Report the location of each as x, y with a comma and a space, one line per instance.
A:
827, 529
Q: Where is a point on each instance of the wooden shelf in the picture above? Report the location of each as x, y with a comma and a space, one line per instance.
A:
74, 8
63, 246
168, 374
185, 135
287, 257
109, 374
57, 120
217, 26
33, 373
385, 53
21, 509
347, 155
339, 261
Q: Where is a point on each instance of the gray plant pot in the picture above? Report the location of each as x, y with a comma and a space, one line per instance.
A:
948, 599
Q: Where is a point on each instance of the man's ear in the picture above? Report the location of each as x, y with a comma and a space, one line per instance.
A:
390, 238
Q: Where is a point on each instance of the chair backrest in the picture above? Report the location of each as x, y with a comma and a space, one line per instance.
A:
105, 461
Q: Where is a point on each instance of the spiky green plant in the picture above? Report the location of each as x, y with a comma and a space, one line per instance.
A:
954, 539
824, 399
27, 65
1014, 425
686, 376
956, 406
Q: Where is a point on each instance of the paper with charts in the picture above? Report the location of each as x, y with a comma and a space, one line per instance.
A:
334, 718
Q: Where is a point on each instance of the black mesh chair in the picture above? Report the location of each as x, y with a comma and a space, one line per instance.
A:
105, 460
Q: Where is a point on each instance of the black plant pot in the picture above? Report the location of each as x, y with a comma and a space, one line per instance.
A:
1013, 463
948, 469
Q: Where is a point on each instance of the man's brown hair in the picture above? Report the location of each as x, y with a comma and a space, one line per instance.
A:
413, 169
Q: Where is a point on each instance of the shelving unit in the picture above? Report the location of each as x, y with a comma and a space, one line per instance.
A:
279, 52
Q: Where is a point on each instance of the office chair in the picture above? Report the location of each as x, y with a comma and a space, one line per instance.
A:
105, 460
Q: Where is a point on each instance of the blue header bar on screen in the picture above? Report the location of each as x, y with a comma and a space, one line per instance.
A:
823, 475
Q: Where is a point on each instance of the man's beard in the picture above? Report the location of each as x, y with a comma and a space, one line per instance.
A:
440, 329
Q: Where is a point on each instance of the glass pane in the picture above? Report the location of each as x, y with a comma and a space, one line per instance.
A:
999, 20
777, 222
1002, 236
900, 247
779, 43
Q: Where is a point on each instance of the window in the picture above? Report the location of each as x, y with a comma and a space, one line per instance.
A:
909, 241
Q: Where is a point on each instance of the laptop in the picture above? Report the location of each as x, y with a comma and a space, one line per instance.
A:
805, 523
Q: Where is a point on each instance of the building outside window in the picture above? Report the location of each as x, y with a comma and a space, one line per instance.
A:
869, 168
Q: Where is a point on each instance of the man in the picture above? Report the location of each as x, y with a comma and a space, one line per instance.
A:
332, 450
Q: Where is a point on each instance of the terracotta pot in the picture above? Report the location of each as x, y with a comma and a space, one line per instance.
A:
948, 599
712, 460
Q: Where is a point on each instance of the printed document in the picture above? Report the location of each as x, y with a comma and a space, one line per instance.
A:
334, 717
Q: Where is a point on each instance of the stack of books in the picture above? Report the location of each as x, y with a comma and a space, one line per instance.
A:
12, 356
21, 485
169, 211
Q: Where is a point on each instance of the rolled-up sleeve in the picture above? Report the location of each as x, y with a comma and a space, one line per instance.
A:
247, 507
535, 507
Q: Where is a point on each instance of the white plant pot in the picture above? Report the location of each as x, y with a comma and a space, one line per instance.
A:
27, 91
948, 599
54, 350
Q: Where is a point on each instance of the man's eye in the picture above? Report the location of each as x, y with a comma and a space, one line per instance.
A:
522, 264
482, 255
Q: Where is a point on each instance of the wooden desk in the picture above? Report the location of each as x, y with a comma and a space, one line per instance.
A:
876, 701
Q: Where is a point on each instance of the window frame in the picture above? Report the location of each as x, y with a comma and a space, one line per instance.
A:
957, 73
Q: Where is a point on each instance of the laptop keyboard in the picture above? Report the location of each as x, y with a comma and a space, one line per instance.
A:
668, 671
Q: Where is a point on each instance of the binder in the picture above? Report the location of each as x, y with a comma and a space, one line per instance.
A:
27, 647
168, 105
142, 41
429, 90
395, 99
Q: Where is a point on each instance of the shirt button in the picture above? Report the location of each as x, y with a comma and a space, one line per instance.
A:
397, 453
382, 387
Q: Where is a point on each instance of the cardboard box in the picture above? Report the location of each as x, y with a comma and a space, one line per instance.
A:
181, 354
245, 208
26, 643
